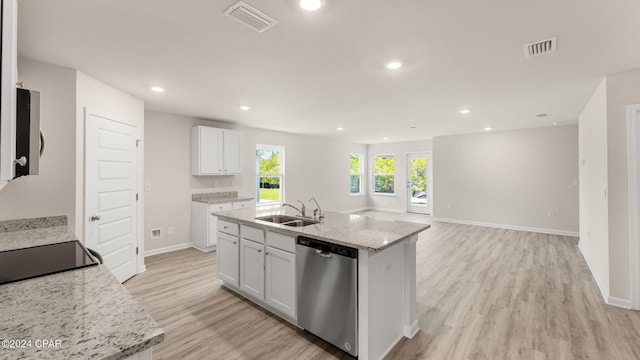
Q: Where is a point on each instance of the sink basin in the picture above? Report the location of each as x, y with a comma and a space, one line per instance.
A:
277, 219
300, 222
287, 220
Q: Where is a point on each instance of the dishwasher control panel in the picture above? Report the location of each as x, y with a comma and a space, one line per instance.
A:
327, 247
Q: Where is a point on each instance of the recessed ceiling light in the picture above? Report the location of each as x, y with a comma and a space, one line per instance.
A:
385, 138
339, 129
310, 5
488, 128
157, 89
465, 111
412, 127
244, 108
556, 123
393, 65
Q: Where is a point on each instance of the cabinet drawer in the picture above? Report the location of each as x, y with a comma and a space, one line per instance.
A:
228, 227
281, 241
241, 205
253, 234
220, 207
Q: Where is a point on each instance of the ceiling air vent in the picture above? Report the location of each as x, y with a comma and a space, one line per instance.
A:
250, 16
540, 47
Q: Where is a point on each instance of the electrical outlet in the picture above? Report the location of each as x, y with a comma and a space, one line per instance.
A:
156, 233
171, 230
550, 213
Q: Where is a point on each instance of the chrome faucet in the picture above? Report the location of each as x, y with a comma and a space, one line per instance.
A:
318, 211
302, 210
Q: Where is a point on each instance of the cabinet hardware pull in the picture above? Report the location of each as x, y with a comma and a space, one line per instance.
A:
259, 251
235, 242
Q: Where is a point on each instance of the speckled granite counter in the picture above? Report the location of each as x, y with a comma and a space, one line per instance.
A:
219, 197
352, 230
88, 310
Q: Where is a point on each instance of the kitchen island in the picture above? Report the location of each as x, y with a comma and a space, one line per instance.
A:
386, 268
78, 314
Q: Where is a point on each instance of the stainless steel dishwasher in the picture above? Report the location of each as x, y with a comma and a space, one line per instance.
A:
327, 283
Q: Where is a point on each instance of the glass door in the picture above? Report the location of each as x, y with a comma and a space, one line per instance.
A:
419, 183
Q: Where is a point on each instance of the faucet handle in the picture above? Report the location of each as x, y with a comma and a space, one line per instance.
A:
304, 210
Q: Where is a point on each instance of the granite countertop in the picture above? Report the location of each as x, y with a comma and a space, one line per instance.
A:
219, 197
91, 314
352, 230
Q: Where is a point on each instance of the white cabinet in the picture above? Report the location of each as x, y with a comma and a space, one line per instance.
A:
252, 261
281, 280
280, 274
267, 266
215, 151
228, 258
252, 268
8, 24
204, 226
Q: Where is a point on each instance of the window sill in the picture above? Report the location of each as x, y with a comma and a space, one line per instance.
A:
385, 194
356, 195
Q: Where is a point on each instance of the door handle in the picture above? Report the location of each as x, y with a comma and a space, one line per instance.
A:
323, 254
95, 218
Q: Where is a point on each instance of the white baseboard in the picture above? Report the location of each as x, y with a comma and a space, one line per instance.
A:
609, 300
388, 210
621, 303
509, 227
167, 249
603, 291
351, 211
411, 331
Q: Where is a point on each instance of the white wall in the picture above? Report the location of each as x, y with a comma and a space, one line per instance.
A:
594, 232
509, 178
314, 166
52, 192
622, 89
398, 201
106, 100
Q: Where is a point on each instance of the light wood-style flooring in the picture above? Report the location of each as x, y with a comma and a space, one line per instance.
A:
482, 293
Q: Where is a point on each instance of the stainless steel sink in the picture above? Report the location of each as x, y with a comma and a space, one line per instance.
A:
300, 222
287, 220
278, 219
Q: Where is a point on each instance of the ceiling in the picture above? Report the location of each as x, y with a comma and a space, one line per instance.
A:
314, 72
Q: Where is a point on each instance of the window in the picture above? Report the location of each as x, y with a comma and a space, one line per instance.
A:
356, 174
383, 174
269, 174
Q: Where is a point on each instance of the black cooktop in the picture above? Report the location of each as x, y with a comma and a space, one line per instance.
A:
27, 263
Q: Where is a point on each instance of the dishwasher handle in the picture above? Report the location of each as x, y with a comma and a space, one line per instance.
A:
323, 254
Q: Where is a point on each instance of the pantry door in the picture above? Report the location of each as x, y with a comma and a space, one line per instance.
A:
111, 206
419, 183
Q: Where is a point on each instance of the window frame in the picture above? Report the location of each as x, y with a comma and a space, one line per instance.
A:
360, 174
374, 174
280, 175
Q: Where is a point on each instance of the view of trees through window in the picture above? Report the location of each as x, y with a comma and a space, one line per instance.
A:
356, 174
383, 174
269, 173
419, 181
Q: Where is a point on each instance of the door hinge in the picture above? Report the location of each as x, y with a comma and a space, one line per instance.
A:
138, 143
136, 250
136, 196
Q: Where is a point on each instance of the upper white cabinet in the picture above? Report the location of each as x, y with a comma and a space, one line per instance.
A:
215, 151
8, 24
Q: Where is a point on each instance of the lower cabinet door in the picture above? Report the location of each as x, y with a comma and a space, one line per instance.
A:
252, 268
281, 281
228, 258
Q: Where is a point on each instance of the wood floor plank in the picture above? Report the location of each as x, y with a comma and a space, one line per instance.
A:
482, 293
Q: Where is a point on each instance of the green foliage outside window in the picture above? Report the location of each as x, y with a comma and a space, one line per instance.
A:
384, 170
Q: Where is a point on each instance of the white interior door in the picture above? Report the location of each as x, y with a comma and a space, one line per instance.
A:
419, 183
111, 192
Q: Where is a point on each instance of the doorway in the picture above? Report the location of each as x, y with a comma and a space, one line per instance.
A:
633, 181
110, 192
419, 180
